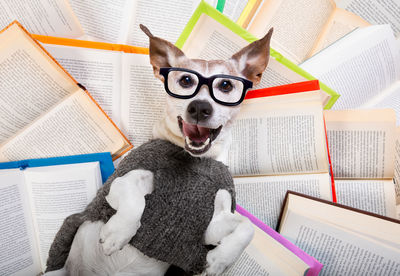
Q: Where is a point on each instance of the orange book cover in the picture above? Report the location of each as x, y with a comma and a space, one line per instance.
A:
91, 44
130, 146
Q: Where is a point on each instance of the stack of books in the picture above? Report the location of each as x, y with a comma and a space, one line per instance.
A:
75, 91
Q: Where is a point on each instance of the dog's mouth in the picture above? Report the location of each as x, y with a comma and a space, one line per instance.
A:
198, 139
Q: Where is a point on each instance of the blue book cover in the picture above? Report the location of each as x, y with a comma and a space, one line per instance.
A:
104, 158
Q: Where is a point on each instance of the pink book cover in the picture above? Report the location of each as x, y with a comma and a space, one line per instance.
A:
315, 266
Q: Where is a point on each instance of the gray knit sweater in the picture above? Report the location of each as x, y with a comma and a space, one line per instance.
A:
176, 214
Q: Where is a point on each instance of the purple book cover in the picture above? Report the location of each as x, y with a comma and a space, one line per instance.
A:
315, 266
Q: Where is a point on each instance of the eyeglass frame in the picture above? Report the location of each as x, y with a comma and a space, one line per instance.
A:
164, 71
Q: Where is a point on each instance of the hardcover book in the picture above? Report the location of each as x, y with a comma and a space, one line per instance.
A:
271, 254
346, 240
211, 35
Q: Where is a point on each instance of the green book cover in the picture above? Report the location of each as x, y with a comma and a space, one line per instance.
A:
208, 10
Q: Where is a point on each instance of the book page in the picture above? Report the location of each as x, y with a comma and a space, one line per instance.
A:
143, 98
397, 166
342, 252
272, 138
376, 196
19, 253
358, 66
44, 17
389, 98
104, 20
375, 12
99, 71
341, 23
234, 8
265, 256
30, 82
263, 195
211, 40
370, 227
75, 126
294, 33
165, 19
361, 142
57, 192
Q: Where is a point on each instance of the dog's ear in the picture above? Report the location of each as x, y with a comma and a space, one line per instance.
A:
253, 59
162, 53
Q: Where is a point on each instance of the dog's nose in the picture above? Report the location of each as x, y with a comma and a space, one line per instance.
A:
199, 110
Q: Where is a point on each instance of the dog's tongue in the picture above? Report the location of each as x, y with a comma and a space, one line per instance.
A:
196, 133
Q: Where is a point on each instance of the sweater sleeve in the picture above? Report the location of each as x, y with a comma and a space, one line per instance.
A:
138, 158
225, 180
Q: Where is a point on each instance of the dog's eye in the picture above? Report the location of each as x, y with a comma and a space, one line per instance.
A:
186, 81
225, 86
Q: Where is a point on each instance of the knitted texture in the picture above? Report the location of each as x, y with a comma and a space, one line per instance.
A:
176, 214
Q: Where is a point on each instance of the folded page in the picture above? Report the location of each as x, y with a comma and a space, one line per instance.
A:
359, 66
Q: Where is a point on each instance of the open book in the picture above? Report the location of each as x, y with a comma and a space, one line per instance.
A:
271, 254
397, 170
347, 241
279, 144
44, 112
232, 8
302, 27
211, 35
119, 77
364, 67
36, 197
45, 17
375, 12
362, 145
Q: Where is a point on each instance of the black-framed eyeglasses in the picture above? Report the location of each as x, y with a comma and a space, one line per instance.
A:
224, 89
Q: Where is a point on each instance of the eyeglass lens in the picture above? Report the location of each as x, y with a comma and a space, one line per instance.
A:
225, 89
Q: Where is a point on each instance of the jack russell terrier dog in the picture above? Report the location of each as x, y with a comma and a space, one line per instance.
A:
204, 99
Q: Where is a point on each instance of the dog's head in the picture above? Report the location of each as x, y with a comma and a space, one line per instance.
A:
204, 95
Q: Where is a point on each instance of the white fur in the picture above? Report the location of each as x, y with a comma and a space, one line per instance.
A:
231, 233
87, 257
127, 197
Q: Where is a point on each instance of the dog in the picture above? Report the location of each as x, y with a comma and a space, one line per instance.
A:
204, 99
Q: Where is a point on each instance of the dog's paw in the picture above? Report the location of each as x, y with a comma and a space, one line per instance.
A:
217, 262
114, 236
